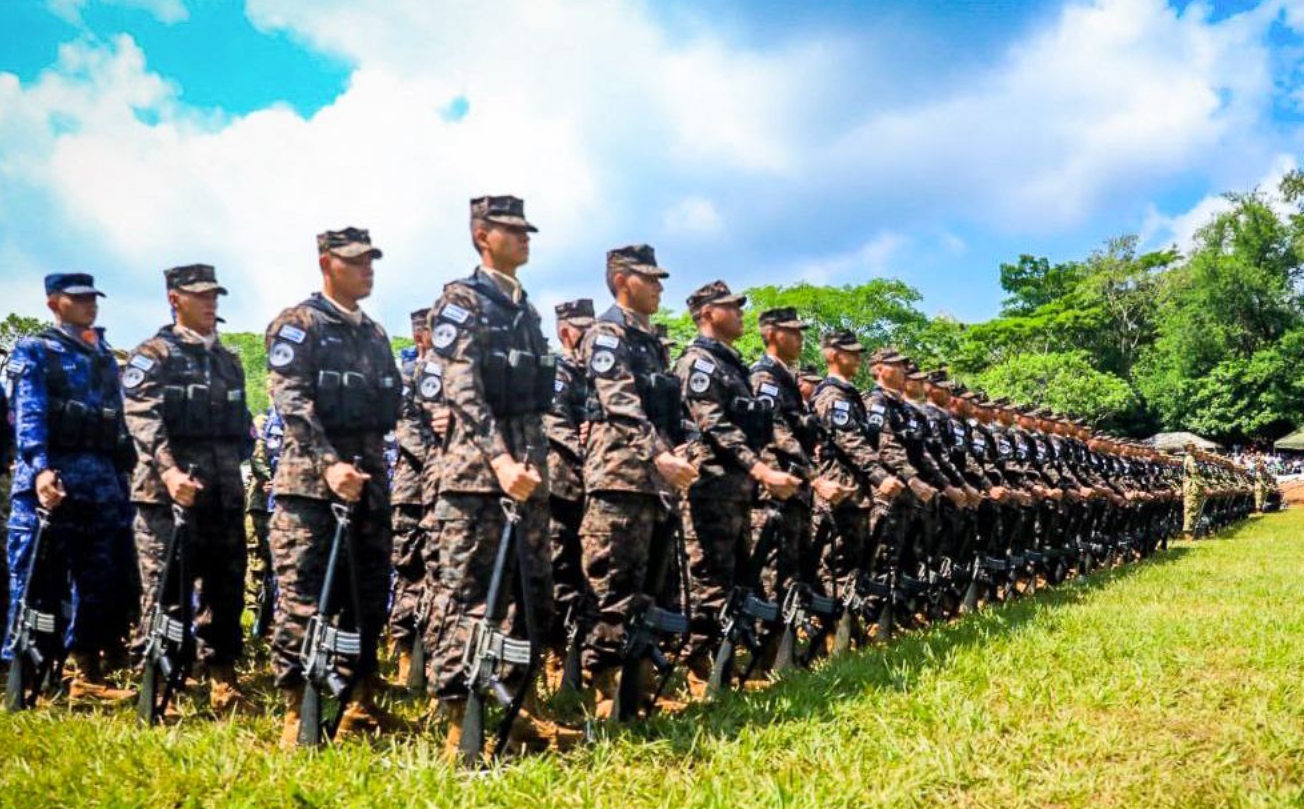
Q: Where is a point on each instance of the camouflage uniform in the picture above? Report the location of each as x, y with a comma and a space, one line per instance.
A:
562, 423
476, 325
636, 416
185, 408
337, 388
413, 437
257, 550
717, 519
1195, 489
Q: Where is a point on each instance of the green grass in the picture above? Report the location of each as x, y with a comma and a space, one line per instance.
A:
1172, 683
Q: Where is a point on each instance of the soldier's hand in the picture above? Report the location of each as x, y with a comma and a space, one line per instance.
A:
49, 489
956, 496
831, 491
922, 490
518, 480
975, 497
439, 422
182, 488
778, 484
346, 480
891, 487
676, 471
584, 433
999, 493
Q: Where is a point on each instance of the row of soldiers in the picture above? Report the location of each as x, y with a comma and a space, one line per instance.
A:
605, 508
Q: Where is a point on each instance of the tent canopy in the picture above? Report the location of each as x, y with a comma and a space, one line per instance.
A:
1174, 442
1294, 441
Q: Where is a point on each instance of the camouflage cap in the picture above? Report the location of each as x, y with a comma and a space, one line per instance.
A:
193, 278
1041, 413
841, 340
810, 373
1002, 402
716, 293
636, 258
939, 379
504, 210
784, 317
349, 242
420, 318
887, 356
578, 312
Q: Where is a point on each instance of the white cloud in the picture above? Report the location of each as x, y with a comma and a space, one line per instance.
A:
871, 260
694, 215
167, 11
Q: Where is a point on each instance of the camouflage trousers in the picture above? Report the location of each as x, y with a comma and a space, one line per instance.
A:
1193, 500
300, 536
717, 534
6, 485
259, 555
789, 554
847, 534
570, 587
409, 561
468, 529
215, 564
624, 534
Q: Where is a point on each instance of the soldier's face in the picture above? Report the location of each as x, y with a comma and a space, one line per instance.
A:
421, 337
508, 247
350, 277
644, 293
807, 389
75, 310
845, 364
787, 342
195, 310
726, 321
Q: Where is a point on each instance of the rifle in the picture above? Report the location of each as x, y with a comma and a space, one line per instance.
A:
801, 608
169, 642
647, 624
741, 613
489, 650
266, 606
577, 629
325, 644
416, 679
35, 641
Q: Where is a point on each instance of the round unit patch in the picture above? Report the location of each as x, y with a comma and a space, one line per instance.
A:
841, 418
602, 361
699, 382
282, 355
132, 377
768, 399
430, 387
443, 335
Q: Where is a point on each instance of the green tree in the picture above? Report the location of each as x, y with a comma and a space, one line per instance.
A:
1066, 381
15, 327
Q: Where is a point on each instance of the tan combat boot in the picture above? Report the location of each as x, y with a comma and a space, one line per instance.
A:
532, 730
605, 688
455, 710
290, 728
404, 667
364, 715
88, 682
224, 691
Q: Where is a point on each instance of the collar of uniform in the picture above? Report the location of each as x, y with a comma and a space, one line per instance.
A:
775, 362
191, 336
510, 286
331, 309
888, 392
712, 344
834, 379
635, 319
354, 317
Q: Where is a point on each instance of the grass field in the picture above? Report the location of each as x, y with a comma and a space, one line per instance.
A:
1172, 683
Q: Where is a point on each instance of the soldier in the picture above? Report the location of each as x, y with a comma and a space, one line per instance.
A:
789, 555
186, 411
734, 427
73, 453
807, 381
1194, 490
498, 381
562, 424
413, 438
1263, 485
259, 592
6, 471
337, 389
633, 460
851, 457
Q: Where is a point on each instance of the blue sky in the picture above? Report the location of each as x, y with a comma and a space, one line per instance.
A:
760, 142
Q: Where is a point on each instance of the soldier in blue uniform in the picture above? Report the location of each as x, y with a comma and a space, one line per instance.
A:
72, 456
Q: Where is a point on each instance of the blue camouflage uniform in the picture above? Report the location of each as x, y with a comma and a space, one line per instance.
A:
67, 407
274, 439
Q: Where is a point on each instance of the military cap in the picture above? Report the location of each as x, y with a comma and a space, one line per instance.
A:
841, 340
784, 317
578, 312
716, 293
71, 283
193, 278
349, 242
913, 373
938, 379
959, 388
1040, 412
505, 210
635, 258
420, 318
810, 374
1002, 402
887, 356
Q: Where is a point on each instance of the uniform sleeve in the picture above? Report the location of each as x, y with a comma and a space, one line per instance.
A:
291, 374
852, 445
891, 452
143, 384
454, 325
30, 398
563, 434
708, 411
613, 383
411, 432
938, 453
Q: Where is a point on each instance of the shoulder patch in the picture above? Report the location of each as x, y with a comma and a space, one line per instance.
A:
292, 333
444, 335
607, 341
558, 386
455, 313
602, 361
699, 382
841, 418
769, 390
430, 387
141, 361
281, 355
704, 365
16, 366
132, 377
841, 405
